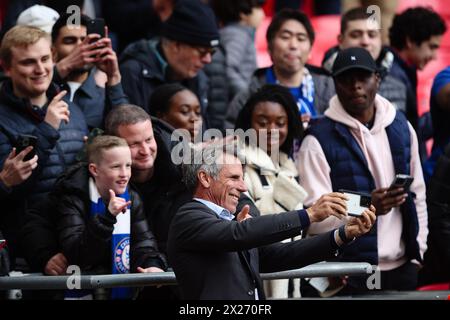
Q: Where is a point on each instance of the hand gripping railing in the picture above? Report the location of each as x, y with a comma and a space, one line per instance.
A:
41, 282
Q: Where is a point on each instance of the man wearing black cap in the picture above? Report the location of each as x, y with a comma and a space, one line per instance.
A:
187, 41
360, 145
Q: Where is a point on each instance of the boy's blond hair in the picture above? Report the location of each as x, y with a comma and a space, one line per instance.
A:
100, 144
20, 36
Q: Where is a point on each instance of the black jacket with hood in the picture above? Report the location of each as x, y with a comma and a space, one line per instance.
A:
86, 240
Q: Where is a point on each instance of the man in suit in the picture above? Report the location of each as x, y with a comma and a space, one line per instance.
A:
217, 257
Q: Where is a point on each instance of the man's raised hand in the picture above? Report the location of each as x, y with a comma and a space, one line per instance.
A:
57, 111
332, 204
244, 214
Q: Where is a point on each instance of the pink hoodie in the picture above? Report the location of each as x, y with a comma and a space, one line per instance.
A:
314, 173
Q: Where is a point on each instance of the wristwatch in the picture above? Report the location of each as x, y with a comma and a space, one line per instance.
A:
343, 237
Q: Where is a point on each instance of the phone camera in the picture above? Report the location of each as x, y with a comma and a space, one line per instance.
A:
365, 202
25, 142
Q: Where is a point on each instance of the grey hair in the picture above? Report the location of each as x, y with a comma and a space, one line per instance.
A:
206, 159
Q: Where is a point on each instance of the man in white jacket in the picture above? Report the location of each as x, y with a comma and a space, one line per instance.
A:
360, 145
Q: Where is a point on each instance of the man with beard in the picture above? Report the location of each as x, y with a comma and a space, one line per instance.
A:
82, 61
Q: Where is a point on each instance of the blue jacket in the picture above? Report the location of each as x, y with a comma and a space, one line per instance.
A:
93, 100
56, 149
350, 171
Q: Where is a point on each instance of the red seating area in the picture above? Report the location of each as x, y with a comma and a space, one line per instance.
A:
327, 29
435, 287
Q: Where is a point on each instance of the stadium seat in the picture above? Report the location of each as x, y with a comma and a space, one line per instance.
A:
440, 6
262, 55
435, 287
326, 29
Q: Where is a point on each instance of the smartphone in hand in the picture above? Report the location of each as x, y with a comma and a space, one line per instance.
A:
22, 142
402, 181
96, 26
357, 202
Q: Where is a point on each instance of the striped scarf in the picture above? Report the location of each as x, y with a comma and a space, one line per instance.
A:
120, 242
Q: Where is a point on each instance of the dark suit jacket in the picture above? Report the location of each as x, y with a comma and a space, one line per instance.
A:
218, 259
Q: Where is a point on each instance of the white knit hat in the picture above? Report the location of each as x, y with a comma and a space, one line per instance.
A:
38, 16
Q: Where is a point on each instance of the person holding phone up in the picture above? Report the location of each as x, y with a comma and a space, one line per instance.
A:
360, 145
86, 67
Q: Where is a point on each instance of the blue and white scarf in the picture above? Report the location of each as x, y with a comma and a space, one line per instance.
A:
120, 242
303, 95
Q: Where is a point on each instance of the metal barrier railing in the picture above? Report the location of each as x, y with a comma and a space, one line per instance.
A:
41, 282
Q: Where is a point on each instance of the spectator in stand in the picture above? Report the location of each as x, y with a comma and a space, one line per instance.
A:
415, 37
16, 7
358, 30
360, 145
386, 11
290, 37
31, 104
440, 115
147, 16
187, 42
82, 61
101, 221
271, 178
178, 107
154, 175
234, 62
38, 16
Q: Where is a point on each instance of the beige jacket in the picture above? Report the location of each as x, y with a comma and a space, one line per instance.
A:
281, 191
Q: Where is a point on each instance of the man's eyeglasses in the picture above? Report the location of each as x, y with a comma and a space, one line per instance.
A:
203, 51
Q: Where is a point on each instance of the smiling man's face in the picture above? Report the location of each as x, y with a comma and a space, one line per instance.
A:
227, 188
31, 69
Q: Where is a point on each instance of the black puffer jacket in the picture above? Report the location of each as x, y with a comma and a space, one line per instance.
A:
86, 240
56, 149
437, 258
165, 192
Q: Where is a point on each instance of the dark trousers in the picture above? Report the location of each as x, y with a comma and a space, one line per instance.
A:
403, 278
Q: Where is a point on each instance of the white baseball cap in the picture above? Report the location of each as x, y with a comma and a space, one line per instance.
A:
38, 16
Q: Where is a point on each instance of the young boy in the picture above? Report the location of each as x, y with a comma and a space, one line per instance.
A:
101, 223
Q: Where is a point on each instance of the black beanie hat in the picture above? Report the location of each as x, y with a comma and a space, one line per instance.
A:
192, 22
